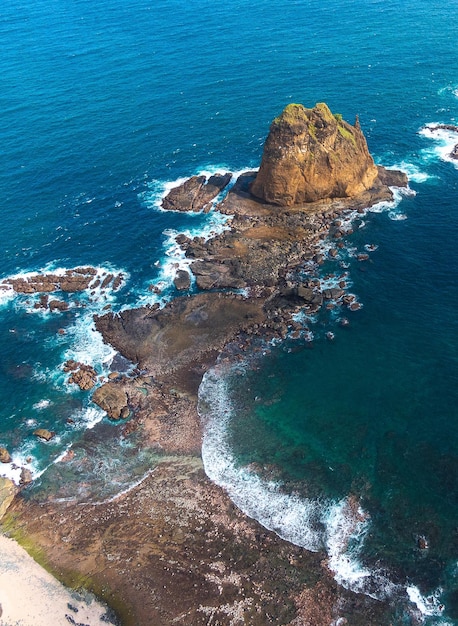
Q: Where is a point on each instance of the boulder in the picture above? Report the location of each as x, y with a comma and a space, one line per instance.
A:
85, 377
111, 398
182, 280
43, 433
196, 193
4, 455
25, 477
311, 154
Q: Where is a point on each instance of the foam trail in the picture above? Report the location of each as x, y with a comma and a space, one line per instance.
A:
314, 524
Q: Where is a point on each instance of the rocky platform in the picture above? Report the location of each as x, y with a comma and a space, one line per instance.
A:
174, 549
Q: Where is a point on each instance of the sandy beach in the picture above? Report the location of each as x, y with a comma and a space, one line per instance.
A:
30, 596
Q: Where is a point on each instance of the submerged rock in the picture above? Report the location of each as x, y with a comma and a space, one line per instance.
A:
311, 154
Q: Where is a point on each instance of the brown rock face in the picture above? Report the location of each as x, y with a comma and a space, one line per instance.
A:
113, 399
311, 154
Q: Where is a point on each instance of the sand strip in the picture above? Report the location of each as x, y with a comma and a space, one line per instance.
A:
30, 596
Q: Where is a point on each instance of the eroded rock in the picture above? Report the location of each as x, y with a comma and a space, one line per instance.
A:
112, 398
43, 433
311, 154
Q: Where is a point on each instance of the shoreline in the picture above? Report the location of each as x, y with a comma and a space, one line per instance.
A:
174, 547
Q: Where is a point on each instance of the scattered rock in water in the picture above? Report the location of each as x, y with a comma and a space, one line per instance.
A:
82, 375
196, 193
58, 305
5, 456
422, 543
26, 476
362, 256
43, 433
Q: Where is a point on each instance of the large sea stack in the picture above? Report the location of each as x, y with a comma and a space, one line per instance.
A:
311, 154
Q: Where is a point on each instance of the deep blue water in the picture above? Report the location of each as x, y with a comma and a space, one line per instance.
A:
104, 103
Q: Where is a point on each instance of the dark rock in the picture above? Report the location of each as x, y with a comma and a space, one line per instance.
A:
58, 305
305, 293
333, 294
196, 193
182, 280
392, 178
454, 152
182, 198
25, 477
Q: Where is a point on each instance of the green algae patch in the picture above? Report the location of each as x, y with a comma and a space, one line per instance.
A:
346, 134
291, 113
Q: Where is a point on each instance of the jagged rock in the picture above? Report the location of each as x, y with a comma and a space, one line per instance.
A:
196, 193
311, 154
58, 305
111, 398
305, 293
25, 477
333, 294
85, 377
4, 455
208, 192
72, 280
182, 280
43, 433
392, 178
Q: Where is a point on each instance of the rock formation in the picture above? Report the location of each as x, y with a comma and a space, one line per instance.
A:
113, 399
311, 154
196, 193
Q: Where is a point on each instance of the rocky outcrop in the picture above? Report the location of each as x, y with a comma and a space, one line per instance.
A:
43, 433
196, 193
5, 456
70, 281
311, 154
82, 375
112, 398
182, 280
7, 492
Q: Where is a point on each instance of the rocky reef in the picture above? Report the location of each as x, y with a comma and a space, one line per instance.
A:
311, 154
174, 549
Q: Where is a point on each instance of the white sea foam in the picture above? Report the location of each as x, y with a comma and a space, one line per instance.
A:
413, 172
445, 141
174, 258
42, 404
428, 606
314, 524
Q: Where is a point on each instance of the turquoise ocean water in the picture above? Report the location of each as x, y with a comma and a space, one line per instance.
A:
104, 105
